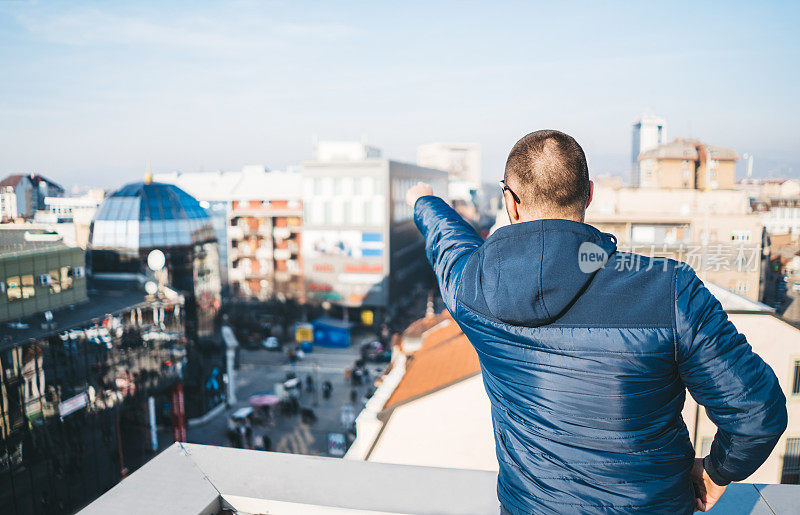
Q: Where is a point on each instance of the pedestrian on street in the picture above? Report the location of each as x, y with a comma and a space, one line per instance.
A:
310, 384
327, 388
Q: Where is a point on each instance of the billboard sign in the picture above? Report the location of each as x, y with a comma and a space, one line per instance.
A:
353, 244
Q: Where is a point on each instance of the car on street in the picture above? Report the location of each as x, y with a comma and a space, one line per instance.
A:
376, 352
271, 343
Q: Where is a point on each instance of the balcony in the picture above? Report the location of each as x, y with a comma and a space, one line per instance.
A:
264, 252
281, 233
282, 253
201, 479
235, 232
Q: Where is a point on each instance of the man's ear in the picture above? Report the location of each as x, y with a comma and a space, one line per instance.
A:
591, 193
512, 208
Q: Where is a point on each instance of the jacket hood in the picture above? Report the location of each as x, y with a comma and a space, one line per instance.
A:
533, 271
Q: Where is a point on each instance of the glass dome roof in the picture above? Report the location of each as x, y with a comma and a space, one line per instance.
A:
154, 201
150, 215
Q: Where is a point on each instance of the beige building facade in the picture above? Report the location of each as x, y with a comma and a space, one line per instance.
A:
712, 231
687, 164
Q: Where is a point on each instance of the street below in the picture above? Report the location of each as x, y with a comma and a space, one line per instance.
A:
260, 370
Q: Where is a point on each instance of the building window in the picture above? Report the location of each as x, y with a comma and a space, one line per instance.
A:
377, 211
327, 186
327, 219
358, 212
13, 288
308, 188
367, 184
28, 289
55, 283
319, 212
347, 186
338, 212
796, 378
346, 213
791, 462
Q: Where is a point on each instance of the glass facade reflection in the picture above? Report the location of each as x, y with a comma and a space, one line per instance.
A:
141, 217
74, 412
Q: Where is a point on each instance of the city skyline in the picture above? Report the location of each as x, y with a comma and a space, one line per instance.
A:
91, 92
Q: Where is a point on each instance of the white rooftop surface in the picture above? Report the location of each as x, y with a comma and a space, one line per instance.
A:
252, 182
448, 428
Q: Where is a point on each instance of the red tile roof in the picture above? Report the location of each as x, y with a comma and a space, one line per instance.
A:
12, 180
446, 357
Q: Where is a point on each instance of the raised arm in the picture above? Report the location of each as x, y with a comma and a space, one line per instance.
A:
449, 240
740, 392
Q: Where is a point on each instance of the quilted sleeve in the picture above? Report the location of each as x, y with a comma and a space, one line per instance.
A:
738, 389
449, 241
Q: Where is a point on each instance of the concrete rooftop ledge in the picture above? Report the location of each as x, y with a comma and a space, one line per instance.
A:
203, 479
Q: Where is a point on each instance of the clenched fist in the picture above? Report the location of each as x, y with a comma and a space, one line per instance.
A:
418, 190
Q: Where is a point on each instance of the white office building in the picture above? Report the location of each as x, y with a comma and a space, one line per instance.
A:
360, 245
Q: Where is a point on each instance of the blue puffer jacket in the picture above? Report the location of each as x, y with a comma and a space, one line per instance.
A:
587, 367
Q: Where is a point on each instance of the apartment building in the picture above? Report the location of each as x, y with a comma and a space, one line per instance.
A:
769, 188
17, 197
779, 215
265, 237
21, 195
71, 217
38, 273
687, 163
360, 246
257, 216
715, 232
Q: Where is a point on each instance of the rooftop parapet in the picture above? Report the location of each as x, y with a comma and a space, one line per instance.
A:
201, 479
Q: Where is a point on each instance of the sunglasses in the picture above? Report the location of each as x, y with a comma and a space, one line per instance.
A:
514, 195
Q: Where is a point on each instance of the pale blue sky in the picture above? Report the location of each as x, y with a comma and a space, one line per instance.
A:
90, 90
